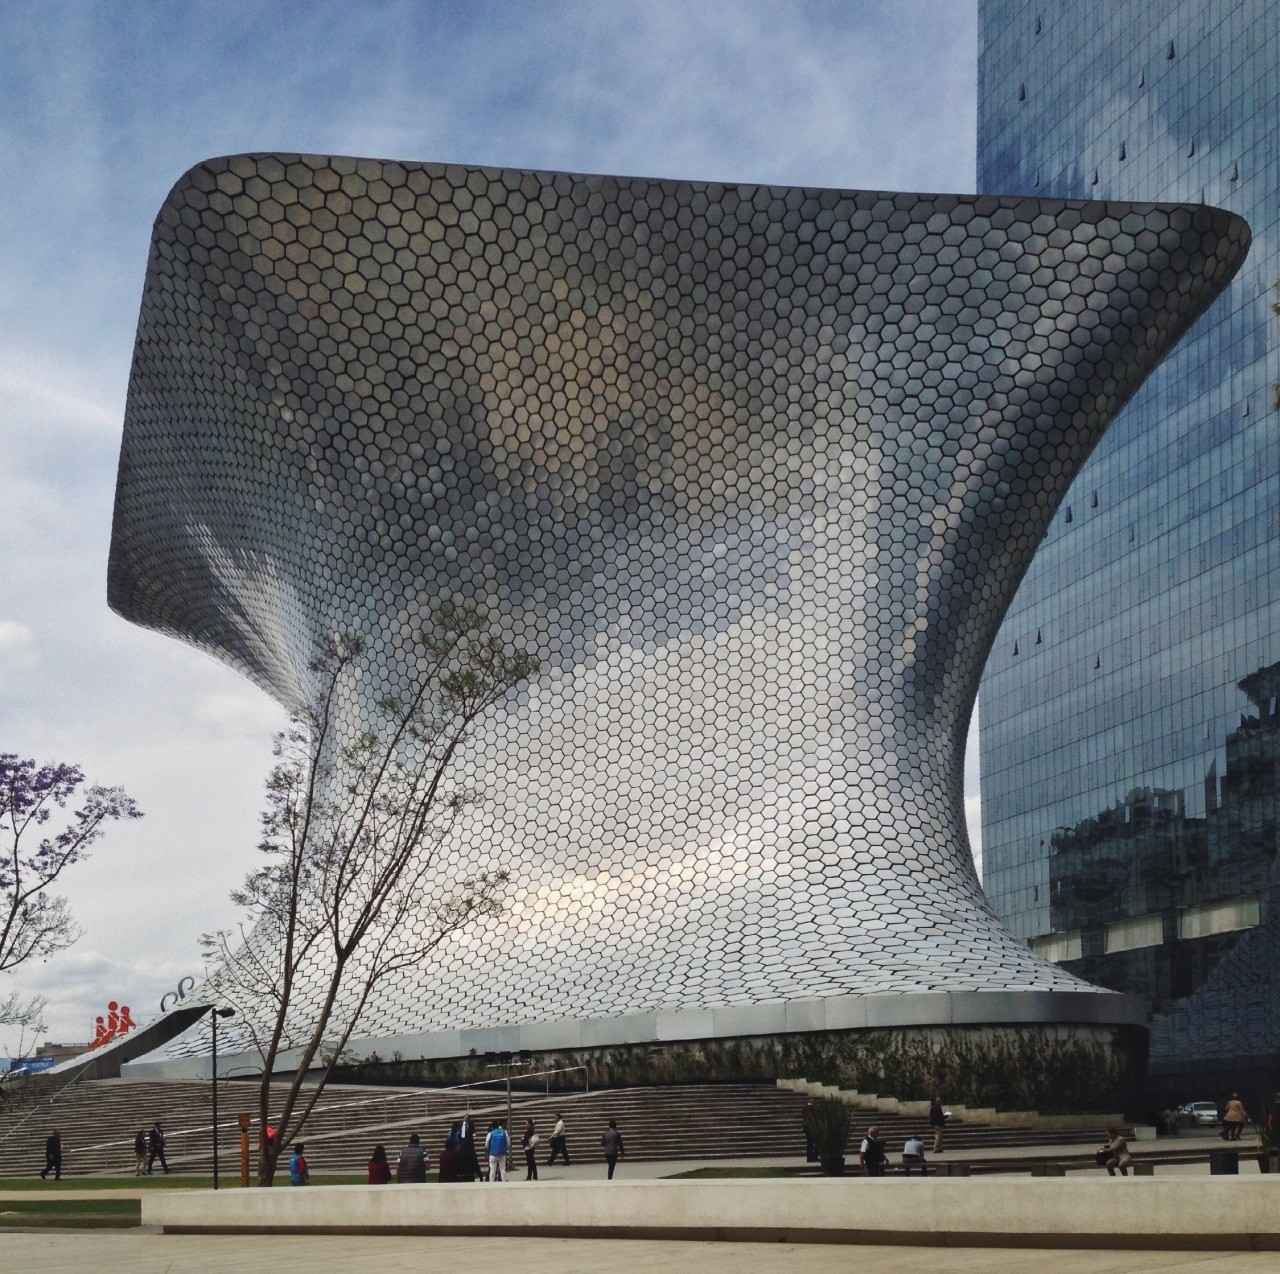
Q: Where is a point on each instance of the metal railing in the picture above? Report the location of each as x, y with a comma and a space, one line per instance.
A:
507, 1078
45, 1101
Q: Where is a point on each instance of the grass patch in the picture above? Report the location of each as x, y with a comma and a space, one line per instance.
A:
160, 1182
91, 1214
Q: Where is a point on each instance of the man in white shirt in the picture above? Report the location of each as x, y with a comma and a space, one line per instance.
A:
913, 1156
559, 1143
871, 1154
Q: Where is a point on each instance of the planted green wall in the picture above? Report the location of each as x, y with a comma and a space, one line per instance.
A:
1053, 1069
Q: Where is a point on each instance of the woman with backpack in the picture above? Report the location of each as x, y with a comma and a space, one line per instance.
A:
496, 1146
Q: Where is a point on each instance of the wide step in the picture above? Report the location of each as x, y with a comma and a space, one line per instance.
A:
98, 1120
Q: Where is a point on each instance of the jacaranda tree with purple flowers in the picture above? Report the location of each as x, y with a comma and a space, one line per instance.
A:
49, 822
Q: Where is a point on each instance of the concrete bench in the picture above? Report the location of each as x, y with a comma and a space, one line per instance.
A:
1168, 1213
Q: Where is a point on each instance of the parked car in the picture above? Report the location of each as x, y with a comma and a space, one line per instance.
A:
1201, 1112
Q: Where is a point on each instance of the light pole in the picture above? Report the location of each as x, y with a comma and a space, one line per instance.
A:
214, 1015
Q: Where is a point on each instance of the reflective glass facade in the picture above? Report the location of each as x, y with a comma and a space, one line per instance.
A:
1130, 736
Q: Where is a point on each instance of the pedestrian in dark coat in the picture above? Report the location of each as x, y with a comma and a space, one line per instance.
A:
530, 1143
155, 1148
52, 1157
468, 1162
611, 1143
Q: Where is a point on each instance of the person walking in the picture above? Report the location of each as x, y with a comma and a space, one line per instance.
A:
530, 1143
496, 1146
412, 1165
155, 1148
299, 1171
913, 1156
937, 1122
559, 1143
379, 1168
1233, 1118
52, 1157
140, 1152
871, 1154
611, 1143
810, 1145
468, 1160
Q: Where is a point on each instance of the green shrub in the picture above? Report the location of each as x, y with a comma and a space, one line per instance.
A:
827, 1121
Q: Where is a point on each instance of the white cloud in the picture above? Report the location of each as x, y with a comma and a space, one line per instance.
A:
244, 714
79, 983
42, 389
14, 635
17, 646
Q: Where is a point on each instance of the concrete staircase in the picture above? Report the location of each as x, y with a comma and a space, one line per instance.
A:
98, 1120
876, 1106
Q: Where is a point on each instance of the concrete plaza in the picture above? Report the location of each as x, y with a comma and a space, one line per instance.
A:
144, 1253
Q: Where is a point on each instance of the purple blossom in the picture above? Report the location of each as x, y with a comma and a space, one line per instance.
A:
34, 923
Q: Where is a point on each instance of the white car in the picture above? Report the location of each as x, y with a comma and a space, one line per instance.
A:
1201, 1112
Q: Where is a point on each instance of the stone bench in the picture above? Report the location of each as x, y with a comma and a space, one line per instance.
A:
1169, 1213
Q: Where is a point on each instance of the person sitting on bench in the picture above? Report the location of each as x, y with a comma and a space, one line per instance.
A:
1114, 1153
913, 1156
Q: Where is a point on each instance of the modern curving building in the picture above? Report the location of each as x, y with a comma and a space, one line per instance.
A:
755, 470
1130, 733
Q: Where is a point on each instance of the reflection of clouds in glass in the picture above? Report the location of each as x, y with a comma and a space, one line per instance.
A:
1153, 601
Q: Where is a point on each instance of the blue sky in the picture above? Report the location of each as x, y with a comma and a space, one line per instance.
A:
104, 105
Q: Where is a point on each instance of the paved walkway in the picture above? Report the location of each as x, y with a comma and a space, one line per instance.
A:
592, 1169
140, 1253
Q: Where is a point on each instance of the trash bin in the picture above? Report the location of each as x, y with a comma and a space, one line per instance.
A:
1224, 1163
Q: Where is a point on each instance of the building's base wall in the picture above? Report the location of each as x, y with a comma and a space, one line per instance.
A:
1050, 1068
897, 1042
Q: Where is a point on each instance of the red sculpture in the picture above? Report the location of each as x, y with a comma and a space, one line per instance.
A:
118, 1022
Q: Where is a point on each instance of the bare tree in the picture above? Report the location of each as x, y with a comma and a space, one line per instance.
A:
35, 923
27, 1016
356, 887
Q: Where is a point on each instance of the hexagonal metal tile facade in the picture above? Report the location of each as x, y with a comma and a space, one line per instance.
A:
756, 470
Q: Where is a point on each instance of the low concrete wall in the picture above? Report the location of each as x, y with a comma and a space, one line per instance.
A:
1173, 1213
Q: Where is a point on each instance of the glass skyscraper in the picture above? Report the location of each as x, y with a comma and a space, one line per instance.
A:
1130, 736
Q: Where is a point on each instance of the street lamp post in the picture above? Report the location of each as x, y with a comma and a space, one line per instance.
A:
214, 1015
